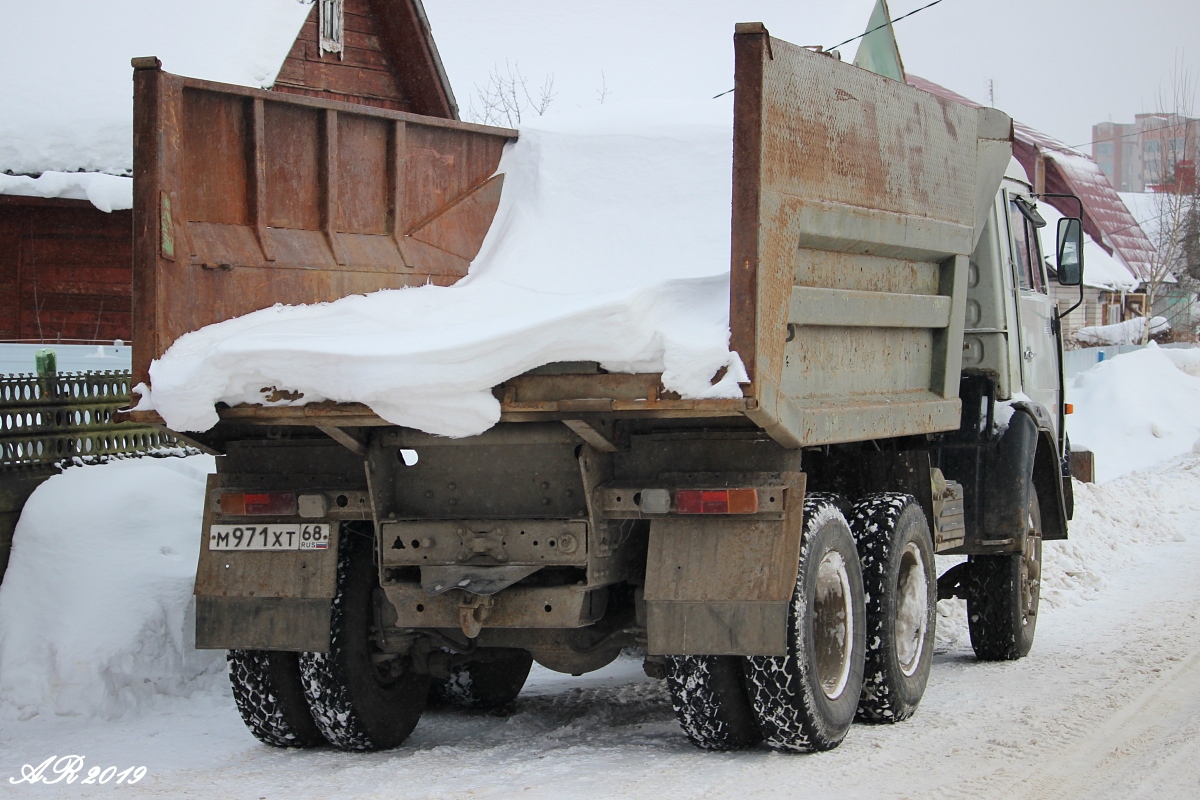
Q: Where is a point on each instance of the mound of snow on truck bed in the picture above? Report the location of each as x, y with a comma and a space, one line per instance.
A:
1137, 409
611, 244
95, 608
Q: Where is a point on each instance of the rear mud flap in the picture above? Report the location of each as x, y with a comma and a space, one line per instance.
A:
721, 585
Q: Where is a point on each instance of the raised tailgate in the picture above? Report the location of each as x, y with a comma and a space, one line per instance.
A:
245, 198
857, 202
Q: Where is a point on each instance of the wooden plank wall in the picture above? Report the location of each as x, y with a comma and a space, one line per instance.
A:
362, 75
10, 250
66, 269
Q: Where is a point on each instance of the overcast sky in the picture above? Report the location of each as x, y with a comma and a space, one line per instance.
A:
1058, 65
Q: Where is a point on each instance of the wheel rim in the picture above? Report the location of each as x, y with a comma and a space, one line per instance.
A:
1031, 564
912, 609
833, 625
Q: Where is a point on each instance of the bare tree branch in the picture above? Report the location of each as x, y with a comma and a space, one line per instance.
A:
507, 97
1174, 201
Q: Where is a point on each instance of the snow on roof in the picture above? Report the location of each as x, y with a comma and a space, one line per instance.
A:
1070, 171
1145, 209
1101, 270
106, 192
67, 92
1121, 231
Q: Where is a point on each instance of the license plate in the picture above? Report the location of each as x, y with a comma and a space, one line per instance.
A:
270, 536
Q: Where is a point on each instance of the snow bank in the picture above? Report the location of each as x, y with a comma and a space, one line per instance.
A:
1113, 521
1136, 409
106, 192
611, 244
95, 609
67, 92
1114, 525
1128, 332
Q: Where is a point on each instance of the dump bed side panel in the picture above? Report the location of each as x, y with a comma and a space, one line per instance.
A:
854, 215
245, 198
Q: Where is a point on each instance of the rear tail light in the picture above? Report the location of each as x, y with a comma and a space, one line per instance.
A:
716, 501
250, 504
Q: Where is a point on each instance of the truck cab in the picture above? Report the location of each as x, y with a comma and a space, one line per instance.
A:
1012, 324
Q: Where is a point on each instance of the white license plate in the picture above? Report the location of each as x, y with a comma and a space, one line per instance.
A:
270, 536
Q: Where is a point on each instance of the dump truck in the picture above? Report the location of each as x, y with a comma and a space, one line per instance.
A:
773, 556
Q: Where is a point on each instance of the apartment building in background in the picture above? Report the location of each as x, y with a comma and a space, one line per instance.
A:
1152, 153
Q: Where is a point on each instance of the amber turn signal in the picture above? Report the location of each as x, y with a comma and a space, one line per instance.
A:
240, 504
716, 501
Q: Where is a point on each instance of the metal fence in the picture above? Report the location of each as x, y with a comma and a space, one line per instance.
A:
57, 418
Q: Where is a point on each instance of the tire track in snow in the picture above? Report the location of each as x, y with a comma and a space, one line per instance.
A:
1106, 755
1118, 738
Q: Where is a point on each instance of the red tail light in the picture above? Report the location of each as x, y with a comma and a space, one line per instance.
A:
716, 501
240, 504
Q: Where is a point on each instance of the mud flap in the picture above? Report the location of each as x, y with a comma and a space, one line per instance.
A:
1006, 488
721, 585
262, 623
263, 600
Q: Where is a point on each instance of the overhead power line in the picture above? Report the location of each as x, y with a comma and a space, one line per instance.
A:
865, 33
884, 25
1134, 133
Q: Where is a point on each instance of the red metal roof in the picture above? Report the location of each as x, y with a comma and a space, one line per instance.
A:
1070, 171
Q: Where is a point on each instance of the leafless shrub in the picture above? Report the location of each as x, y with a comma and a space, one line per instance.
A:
507, 97
1175, 229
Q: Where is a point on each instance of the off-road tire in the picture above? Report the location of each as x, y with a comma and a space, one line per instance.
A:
356, 703
269, 695
1003, 592
711, 701
485, 684
806, 700
895, 549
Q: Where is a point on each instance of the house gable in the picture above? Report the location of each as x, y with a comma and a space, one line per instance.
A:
388, 61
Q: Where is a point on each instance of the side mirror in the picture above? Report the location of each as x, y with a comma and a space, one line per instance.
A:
1070, 251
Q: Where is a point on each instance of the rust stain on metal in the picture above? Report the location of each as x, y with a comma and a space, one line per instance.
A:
843, 180
292, 199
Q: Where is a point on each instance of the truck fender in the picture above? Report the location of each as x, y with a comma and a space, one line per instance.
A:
1006, 488
1051, 488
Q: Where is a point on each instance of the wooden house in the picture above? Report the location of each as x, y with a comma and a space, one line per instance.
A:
66, 265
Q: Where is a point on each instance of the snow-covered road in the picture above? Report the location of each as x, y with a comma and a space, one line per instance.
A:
1106, 705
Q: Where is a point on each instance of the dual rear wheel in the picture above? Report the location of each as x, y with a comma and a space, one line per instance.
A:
859, 645
356, 697
863, 604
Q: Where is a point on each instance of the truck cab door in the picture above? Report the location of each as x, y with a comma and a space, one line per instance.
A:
1039, 353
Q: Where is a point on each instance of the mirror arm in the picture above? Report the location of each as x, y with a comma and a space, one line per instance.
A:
1059, 194
1063, 314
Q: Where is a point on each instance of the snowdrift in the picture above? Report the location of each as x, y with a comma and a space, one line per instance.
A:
611, 244
95, 609
1128, 332
1136, 409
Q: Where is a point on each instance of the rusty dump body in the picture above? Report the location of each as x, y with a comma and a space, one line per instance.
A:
848, 257
246, 198
601, 512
